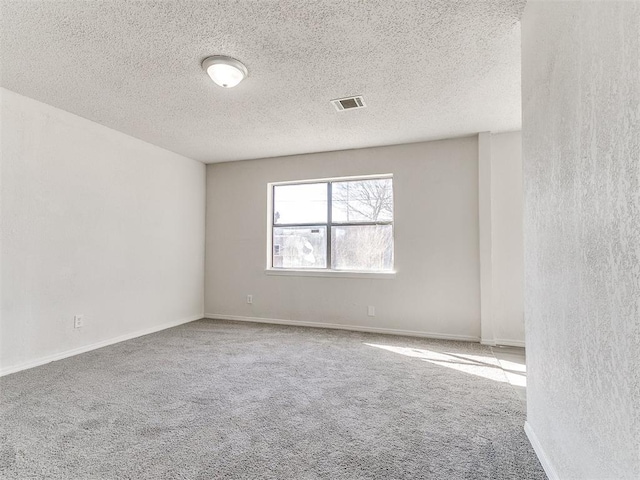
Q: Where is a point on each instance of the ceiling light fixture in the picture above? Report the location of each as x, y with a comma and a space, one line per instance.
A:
224, 71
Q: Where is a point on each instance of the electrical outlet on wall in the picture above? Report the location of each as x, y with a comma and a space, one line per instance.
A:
371, 311
249, 298
78, 321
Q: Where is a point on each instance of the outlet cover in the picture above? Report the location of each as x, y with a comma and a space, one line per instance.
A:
371, 311
78, 321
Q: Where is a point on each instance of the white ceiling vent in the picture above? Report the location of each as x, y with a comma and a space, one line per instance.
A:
349, 103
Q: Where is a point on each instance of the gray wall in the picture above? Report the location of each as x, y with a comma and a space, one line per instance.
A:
436, 288
581, 144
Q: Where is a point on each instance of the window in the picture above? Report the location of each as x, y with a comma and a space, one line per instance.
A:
342, 224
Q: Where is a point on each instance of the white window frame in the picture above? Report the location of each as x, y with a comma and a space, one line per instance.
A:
328, 271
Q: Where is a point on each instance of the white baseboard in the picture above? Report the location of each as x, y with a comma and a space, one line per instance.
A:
503, 342
94, 346
510, 343
337, 326
542, 456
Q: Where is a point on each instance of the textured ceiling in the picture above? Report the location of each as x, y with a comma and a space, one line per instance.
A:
427, 69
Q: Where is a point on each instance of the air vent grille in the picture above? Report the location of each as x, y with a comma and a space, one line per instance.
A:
348, 103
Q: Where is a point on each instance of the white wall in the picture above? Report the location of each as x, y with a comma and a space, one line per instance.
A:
507, 239
436, 289
94, 222
501, 242
485, 234
581, 139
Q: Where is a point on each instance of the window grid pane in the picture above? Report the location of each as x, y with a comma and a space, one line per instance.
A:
300, 203
300, 247
362, 201
339, 225
362, 247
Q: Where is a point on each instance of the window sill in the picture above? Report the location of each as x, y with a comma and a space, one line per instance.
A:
329, 273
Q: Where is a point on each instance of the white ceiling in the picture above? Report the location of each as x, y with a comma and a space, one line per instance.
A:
427, 69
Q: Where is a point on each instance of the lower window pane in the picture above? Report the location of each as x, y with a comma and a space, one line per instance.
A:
362, 247
300, 247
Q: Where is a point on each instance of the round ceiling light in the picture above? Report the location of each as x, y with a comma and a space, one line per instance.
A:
224, 71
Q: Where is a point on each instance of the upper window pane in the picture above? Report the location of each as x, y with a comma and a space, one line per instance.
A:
362, 201
302, 203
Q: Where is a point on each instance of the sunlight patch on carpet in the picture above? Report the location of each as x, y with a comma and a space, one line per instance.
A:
481, 366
